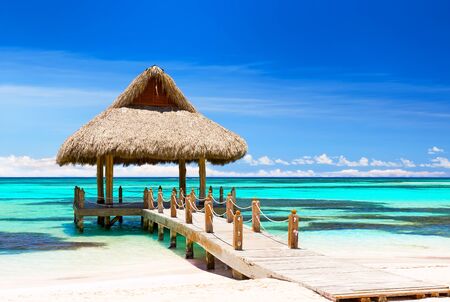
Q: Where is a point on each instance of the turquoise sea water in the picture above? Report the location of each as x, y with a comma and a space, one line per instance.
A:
36, 213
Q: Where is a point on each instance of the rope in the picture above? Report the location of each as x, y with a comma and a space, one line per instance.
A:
218, 202
241, 208
269, 219
276, 238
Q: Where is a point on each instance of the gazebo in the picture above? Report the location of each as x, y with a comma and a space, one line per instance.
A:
151, 122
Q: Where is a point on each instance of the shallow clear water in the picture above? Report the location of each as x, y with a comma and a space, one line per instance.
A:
36, 218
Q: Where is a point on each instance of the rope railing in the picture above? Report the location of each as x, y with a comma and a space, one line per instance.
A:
188, 203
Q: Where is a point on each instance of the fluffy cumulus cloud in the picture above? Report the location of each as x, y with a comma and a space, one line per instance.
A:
263, 160
25, 166
434, 150
362, 162
305, 160
438, 162
323, 160
382, 173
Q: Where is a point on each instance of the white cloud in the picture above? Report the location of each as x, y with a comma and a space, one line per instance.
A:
438, 162
434, 150
323, 159
407, 163
263, 160
305, 160
380, 163
382, 173
282, 162
363, 162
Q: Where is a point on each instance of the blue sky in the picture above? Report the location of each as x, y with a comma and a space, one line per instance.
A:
317, 88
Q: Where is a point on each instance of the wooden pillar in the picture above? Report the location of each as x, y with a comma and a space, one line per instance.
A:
193, 201
189, 249
109, 164
202, 175
120, 202
181, 198
256, 219
237, 231
293, 230
173, 239
151, 201
229, 209
210, 261
182, 174
160, 200
209, 214
233, 194
151, 225
100, 187
79, 218
188, 209
173, 204
221, 194
160, 232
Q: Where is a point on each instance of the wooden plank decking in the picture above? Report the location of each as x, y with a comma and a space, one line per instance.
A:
265, 256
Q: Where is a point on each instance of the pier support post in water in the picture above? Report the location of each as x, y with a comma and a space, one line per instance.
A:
237, 231
145, 199
256, 222
79, 219
293, 230
160, 232
151, 226
173, 239
202, 176
229, 209
120, 202
189, 249
173, 204
209, 214
210, 261
160, 200
100, 188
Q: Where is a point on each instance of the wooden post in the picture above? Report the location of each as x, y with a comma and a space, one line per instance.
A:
188, 209
193, 203
100, 187
237, 231
233, 194
182, 174
109, 163
120, 202
75, 204
210, 190
181, 198
79, 219
210, 261
221, 194
151, 225
151, 201
229, 209
293, 230
173, 205
189, 249
160, 200
173, 239
202, 175
145, 201
256, 212
160, 232
209, 214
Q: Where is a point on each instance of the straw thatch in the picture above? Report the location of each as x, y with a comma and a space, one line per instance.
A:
137, 134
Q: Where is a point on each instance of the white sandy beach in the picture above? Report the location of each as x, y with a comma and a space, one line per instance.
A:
166, 276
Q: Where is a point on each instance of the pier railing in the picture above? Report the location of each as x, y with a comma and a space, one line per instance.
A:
209, 206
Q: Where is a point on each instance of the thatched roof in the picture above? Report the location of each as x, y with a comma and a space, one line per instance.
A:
152, 122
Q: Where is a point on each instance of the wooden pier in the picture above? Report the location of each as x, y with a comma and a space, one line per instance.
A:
252, 253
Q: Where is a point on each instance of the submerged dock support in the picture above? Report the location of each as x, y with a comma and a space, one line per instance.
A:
189, 249
173, 239
160, 232
210, 261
